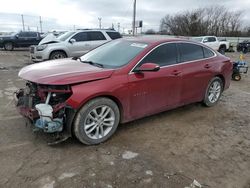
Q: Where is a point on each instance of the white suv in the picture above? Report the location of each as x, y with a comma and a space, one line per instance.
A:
72, 44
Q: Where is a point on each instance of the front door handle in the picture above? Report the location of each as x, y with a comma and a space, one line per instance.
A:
176, 72
207, 66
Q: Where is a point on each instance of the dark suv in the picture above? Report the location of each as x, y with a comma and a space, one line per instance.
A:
20, 39
244, 46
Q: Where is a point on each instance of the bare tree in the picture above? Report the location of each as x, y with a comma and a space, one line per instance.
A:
213, 20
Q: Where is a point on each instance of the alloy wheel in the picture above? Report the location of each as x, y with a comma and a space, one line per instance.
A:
99, 122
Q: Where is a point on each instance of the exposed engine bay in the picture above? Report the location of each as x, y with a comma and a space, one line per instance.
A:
44, 105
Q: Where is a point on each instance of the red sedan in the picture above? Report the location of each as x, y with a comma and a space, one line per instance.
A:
118, 82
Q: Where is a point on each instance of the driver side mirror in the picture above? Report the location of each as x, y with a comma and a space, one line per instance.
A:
72, 41
17, 36
205, 40
147, 67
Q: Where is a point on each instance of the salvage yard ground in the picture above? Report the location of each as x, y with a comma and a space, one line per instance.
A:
171, 149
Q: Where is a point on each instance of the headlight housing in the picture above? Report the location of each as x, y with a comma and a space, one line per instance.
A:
41, 47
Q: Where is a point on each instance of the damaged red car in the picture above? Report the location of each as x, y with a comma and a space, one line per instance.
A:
118, 82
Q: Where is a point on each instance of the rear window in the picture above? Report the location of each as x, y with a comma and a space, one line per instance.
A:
207, 53
114, 35
190, 52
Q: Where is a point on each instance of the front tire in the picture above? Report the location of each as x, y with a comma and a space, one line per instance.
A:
213, 92
236, 77
8, 46
96, 121
57, 55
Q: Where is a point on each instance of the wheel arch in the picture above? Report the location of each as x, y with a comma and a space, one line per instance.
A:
223, 46
222, 78
59, 50
113, 98
10, 41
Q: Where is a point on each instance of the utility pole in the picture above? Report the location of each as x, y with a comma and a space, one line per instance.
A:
100, 22
118, 27
134, 16
41, 28
23, 22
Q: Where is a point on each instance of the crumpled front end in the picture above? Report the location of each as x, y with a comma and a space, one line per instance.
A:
45, 106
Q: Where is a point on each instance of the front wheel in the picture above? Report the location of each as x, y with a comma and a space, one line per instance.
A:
8, 46
96, 121
236, 77
213, 92
57, 55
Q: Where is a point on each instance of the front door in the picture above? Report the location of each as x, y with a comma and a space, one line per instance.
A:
152, 92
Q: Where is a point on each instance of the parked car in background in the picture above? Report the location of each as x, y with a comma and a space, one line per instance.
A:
72, 44
214, 43
118, 82
20, 39
244, 46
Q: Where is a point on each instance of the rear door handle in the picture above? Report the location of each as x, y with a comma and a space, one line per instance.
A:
176, 72
207, 66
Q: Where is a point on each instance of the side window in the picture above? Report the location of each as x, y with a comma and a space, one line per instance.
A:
211, 39
114, 35
31, 34
162, 55
190, 52
82, 36
96, 35
23, 34
207, 53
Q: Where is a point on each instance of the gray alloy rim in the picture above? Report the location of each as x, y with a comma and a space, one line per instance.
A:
214, 91
58, 56
8, 46
99, 122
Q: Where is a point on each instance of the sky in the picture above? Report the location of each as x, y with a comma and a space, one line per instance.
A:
70, 14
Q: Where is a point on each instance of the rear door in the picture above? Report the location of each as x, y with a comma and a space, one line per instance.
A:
196, 71
33, 38
23, 39
96, 39
152, 92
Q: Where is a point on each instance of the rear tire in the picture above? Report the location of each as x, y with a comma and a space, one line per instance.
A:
213, 92
96, 121
9, 46
222, 50
57, 55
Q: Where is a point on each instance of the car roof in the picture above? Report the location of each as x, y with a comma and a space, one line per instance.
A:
156, 40
109, 30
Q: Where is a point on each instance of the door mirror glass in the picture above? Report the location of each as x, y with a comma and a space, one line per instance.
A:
72, 41
147, 67
17, 36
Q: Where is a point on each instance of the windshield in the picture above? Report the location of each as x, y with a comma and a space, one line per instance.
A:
114, 54
197, 39
66, 35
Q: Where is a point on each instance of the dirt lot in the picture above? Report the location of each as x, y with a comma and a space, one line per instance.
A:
171, 149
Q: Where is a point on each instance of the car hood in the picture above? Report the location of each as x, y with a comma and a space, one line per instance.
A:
63, 72
6, 36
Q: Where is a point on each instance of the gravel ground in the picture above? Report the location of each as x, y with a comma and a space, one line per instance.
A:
171, 149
